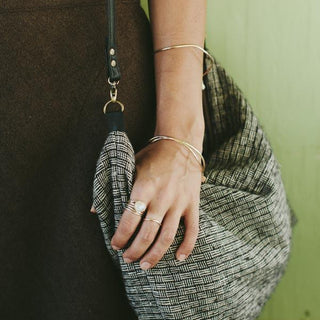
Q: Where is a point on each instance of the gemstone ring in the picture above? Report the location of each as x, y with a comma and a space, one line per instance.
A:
136, 207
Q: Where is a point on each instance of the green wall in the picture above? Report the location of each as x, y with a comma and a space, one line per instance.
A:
272, 50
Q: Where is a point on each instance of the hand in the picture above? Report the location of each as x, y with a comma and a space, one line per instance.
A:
168, 180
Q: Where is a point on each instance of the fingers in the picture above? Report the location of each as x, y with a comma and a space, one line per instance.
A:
191, 222
163, 241
166, 237
147, 232
129, 221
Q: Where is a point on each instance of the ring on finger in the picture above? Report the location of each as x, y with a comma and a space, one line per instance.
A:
155, 220
136, 207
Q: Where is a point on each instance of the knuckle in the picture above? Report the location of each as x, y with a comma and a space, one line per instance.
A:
125, 228
132, 254
167, 236
155, 257
157, 207
147, 235
157, 252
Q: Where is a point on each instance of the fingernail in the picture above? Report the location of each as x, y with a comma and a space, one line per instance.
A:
145, 265
115, 247
181, 257
127, 260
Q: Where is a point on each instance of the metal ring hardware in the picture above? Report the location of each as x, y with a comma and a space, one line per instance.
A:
116, 101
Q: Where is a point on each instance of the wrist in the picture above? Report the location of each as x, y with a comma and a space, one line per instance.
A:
187, 128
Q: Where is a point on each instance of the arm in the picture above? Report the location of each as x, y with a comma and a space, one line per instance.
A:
178, 72
168, 178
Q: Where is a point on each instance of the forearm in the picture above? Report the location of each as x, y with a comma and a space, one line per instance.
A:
178, 72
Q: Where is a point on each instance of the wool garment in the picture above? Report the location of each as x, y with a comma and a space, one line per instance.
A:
245, 220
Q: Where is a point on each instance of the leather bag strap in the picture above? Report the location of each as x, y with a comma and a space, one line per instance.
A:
111, 46
115, 119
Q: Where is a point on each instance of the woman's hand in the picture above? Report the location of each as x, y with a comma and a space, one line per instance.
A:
168, 180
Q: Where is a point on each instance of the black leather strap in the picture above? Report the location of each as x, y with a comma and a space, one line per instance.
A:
115, 121
111, 48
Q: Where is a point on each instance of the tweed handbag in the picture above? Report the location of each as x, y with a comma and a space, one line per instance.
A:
245, 220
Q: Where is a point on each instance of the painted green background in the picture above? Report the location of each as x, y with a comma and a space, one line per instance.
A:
272, 50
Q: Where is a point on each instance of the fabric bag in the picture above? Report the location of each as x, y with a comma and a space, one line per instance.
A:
245, 221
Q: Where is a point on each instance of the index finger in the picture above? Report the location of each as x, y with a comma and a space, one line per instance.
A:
129, 220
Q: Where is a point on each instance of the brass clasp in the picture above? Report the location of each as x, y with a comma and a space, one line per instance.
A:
113, 95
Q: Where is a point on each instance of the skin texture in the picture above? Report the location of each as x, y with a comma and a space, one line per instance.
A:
168, 178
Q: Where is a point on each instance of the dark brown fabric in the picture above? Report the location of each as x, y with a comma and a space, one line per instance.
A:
54, 264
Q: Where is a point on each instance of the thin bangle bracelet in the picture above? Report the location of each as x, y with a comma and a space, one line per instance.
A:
189, 146
190, 45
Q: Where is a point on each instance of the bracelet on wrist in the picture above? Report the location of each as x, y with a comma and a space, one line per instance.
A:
190, 45
189, 146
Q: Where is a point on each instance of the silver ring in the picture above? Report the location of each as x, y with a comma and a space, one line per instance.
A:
136, 207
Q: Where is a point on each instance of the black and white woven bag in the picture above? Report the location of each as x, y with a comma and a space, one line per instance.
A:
245, 220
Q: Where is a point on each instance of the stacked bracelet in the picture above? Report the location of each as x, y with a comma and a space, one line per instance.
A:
189, 146
193, 149
190, 45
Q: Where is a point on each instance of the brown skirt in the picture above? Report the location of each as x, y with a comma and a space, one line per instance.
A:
54, 264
